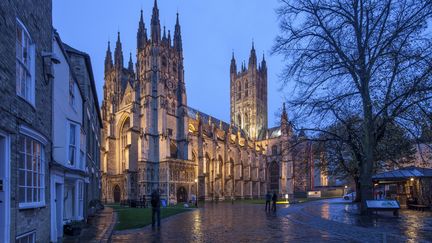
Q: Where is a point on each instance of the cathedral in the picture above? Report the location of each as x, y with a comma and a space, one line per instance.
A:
152, 139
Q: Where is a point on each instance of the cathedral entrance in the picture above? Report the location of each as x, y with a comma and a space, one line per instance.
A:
182, 195
274, 177
117, 194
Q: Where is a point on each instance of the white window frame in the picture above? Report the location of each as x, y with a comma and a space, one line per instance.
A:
82, 158
30, 90
76, 146
20, 238
29, 133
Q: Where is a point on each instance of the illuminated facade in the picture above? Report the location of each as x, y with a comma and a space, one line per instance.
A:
153, 140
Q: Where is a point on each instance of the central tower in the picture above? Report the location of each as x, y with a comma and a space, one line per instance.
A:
249, 96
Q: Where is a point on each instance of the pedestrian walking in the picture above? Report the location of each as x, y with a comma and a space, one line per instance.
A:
274, 199
268, 197
155, 203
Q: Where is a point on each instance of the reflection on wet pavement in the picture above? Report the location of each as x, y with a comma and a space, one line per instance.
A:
414, 225
322, 221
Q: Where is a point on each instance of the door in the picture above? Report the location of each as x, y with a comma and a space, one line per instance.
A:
4, 189
58, 208
182, 194
117, 194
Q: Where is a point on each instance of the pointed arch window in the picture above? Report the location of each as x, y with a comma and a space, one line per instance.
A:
164, 61
206, 163
246, 122
219, 165
173, 149
238, 91
246, 89
124, 142
274, 150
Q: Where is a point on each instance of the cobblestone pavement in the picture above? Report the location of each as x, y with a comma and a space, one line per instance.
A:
322, 221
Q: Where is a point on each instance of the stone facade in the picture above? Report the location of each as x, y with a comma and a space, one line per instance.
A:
16, 112
152, 139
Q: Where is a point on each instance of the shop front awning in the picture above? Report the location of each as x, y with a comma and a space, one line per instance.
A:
403, 174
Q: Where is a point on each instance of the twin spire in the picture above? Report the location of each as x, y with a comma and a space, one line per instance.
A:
155, 24
142, 33
142, 39
252, 62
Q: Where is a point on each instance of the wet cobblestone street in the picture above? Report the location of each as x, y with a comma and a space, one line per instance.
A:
322, 221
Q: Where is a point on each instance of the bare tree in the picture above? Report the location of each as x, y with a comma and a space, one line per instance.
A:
358, 58
338, 155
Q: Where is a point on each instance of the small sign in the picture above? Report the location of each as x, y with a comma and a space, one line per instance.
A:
390, 204
314, 194
163, 202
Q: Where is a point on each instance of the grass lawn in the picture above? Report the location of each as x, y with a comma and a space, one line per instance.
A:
132, 218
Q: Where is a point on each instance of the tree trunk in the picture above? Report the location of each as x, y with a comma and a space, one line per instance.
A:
368, 144
365, 188
358, 189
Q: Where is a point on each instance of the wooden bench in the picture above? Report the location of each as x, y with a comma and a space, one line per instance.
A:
419, 207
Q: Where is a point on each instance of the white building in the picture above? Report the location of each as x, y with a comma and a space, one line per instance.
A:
67, 173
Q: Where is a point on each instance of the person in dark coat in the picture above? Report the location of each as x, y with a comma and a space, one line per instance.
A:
155, 203
274, 199
268, 197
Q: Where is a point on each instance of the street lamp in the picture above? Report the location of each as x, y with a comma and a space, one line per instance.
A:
286, 198
196, 191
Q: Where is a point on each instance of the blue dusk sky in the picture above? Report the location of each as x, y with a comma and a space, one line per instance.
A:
211, 31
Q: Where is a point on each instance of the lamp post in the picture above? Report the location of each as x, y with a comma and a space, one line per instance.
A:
196, 192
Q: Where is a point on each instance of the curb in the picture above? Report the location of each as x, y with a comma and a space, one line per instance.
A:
106, 238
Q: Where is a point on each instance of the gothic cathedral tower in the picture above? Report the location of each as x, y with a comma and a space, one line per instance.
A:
249, 96
144, 113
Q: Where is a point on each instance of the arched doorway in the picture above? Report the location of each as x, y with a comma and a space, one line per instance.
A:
274, 177
117, 194
182, 195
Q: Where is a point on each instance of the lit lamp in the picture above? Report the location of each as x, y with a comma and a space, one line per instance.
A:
286, 197
412, 179
196, 190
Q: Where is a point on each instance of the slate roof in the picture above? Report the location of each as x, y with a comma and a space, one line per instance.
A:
404, 173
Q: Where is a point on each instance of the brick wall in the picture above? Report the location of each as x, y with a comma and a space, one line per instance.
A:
14, 111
